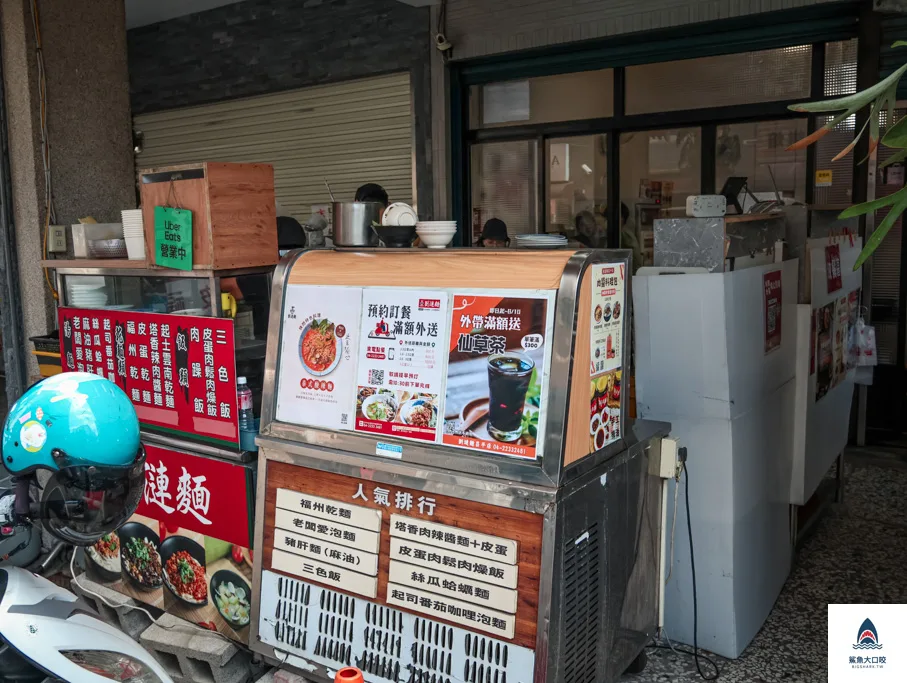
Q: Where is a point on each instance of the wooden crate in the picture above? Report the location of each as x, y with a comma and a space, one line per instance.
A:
234, 221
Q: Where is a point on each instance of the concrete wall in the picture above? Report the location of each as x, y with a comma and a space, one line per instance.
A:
264, 46
89, 128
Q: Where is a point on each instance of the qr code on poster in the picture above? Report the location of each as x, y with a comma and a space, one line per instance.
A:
376, 377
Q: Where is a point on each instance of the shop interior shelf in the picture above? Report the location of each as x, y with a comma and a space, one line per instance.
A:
94, 263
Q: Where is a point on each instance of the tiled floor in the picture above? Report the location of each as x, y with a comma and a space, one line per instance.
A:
857, 554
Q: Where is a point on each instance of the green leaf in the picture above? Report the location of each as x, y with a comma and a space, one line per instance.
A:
896, 136
879, 234
857, 100
899, 43
868, 207
894, 158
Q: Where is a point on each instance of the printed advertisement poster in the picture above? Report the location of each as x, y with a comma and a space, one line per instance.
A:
841, 316
608, 312
833, 268
317, 378
825, 325
853, 312
771, 286
186, 550
179, 370
496, 368
401, 363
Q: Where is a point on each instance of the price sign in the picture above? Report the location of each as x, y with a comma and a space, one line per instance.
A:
173, 238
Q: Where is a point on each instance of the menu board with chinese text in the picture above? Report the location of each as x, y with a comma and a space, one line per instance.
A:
456, 561
320, 342
401, 362
608, 312
187, 543
179, 371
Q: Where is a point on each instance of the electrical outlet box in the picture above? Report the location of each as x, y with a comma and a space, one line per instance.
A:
663, 458
56, 239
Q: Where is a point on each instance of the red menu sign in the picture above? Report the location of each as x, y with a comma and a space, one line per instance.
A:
771, 296
205, 495
179, 371
833, 267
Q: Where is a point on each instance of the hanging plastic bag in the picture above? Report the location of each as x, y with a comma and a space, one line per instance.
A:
865, 344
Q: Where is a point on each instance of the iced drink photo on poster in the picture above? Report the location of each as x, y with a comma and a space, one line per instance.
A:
497, 364
508, 381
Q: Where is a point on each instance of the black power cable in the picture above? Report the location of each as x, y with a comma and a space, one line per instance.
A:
695, 653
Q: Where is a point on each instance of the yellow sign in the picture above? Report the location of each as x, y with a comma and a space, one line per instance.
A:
823, 178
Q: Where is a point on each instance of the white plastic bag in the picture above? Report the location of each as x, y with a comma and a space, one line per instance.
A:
866, 344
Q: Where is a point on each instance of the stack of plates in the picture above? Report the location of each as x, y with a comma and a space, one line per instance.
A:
436, 234
86, 294
134, 232
540, 241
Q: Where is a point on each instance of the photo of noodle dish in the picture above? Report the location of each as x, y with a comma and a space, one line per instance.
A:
184, 569
380, 407
320, 347
420, 412
142, 562
105, 553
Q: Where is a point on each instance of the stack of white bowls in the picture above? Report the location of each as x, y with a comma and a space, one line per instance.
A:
541, 241
134, 232
85, 292
436, 234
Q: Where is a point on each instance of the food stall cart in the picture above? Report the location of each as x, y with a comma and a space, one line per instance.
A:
448, 486
176, 340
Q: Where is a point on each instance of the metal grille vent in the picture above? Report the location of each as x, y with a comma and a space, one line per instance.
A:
582, 621
292, 614
383, 642
335, 627
431, 652
486, 660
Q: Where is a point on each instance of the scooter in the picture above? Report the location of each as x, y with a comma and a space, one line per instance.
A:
47, 634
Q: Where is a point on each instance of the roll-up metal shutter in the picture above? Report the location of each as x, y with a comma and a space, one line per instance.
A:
347, 133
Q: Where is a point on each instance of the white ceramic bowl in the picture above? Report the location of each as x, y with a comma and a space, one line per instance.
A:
436, 240
399, 213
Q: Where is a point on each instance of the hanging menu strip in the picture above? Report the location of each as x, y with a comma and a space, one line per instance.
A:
486, 595
455, 611
324, 508
352, 582
453, 538
349, 536
439, 559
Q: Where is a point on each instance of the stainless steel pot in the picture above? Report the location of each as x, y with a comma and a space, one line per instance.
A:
353, 223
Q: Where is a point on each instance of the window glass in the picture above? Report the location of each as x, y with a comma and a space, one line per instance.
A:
743, 78
659, 169
565, 97
505, 185
757, 151
577, 186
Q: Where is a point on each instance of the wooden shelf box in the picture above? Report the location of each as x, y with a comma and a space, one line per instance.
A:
234, 221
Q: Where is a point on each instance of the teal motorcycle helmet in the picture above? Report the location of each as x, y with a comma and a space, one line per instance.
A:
83, 430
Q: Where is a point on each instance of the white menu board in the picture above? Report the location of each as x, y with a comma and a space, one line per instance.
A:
317, 376
401, 362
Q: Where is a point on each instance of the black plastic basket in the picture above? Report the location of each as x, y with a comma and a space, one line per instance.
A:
49, 343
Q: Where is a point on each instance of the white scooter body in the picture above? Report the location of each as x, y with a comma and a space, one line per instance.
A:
39, 619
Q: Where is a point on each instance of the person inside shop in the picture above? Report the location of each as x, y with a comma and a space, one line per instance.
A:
590, 232
494, 235
373, 192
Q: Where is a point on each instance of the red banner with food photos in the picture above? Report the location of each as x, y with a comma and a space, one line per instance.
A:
179, 371
205, 495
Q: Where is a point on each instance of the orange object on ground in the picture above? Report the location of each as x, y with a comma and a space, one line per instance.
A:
349, 675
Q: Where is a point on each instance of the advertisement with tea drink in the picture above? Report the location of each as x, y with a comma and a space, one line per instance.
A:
606, 352
186, 550
317, 377
497, 365
401, 363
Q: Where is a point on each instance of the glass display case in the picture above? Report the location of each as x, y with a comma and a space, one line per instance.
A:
243, 295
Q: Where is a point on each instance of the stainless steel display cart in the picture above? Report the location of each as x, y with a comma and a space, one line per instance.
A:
463, 553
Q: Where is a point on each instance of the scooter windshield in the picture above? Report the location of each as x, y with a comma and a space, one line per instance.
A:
81, 503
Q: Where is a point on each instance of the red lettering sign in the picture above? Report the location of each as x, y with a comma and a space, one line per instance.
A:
179, 371
771, 283
205, 495
833, 267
